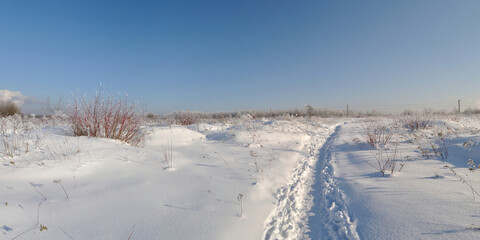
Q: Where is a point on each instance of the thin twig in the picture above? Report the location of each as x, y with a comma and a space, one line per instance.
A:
38, 212
34, 187
58, 181
463, 181
23, 233
133, 230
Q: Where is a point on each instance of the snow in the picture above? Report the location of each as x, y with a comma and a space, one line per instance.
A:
312, 204
115, 189
299, 178
412, 204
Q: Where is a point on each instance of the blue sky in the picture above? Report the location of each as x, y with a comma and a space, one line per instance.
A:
233, 55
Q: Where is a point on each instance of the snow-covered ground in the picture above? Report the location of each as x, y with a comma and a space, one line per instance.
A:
425, 200
243, 179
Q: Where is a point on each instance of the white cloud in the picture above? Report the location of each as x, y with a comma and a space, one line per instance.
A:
27, 103
16, 97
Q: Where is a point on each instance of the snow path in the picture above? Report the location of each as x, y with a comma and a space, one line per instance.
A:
312, 206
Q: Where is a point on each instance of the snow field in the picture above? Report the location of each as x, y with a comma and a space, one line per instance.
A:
298, 178
116, 191
423, 201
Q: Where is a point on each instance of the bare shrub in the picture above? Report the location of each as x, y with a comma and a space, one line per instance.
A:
439, 147
464, 181
387, 160
310, 111
185, 117
54, 107
8, 108
432, 146
55, 111
168, 154
150, 116
13, 135
255, 156
378, 134
416, 121
108, 117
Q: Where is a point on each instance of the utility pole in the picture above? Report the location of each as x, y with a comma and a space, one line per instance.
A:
347, 110
459, 106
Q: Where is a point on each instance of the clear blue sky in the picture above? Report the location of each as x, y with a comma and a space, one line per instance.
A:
232, 55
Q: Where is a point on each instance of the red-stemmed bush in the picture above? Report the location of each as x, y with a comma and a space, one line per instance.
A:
106, 117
